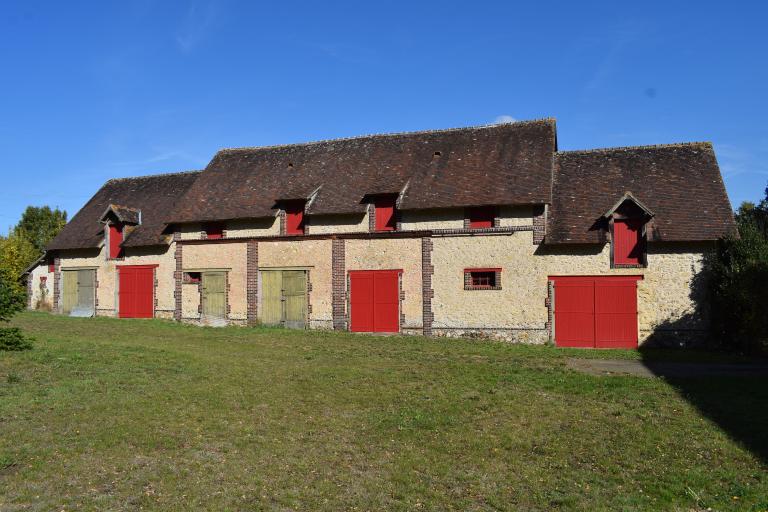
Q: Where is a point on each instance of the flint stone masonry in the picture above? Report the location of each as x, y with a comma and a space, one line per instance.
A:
315, 255
393, 254
518, 312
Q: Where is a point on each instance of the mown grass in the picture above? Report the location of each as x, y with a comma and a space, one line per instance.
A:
111, 414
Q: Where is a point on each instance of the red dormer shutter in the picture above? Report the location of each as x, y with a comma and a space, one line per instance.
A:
115, 239
481, 216
385, 214
294, 218
628, 243
214, 230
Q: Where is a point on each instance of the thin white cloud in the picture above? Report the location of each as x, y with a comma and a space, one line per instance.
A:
504, 119
735, 161
195, 26
162, 157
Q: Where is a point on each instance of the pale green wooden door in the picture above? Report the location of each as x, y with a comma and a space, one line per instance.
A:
295, 298
69, 291
271, 311
85, 290
284, 298
214, 295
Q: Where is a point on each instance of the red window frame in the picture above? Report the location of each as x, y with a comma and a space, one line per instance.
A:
481, 217
482, 278
115, 239
628, 242
51, 268
214, 230
294, 217
385, 210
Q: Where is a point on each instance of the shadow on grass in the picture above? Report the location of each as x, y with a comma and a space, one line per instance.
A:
732, 395
729, 390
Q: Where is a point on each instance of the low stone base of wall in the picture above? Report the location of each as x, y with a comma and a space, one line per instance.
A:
530, 336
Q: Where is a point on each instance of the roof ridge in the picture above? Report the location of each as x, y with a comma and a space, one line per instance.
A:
388, 134
158, 175
647, 146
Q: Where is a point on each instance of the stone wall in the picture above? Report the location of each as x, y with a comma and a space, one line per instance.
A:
667, 295
313, 255
326, 224
107, 279
393, 254
230, 257
40, 290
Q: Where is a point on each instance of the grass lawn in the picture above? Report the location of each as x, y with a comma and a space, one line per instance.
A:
109, 414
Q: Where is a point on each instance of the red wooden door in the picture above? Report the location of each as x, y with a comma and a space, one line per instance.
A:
616, 313
575, 312
374, 300
596, 312
137, 291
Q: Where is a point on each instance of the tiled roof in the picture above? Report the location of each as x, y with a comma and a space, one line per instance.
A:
155, 196
496, 164
680, 183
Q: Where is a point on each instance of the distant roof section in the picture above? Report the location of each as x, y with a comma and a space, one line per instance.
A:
496, 164
680, 183
155, 196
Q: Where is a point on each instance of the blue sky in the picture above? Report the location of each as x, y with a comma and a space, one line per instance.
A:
94, 90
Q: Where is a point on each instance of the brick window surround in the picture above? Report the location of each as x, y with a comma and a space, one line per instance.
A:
482, 279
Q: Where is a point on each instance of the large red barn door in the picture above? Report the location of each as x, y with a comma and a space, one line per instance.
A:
615, 313
596, 312
137, 291
374, 300
575, 312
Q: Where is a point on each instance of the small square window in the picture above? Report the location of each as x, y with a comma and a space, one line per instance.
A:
481, 217
192, 277
482, 279
214, 230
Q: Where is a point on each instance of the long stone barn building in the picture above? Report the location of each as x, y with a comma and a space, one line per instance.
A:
484, 231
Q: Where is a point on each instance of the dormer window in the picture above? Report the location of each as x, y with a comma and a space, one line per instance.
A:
480, 217
214, 230
294, 217
627, 220
115, 239
385, 209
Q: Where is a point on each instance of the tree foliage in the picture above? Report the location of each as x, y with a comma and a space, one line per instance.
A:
39, 224
738, 283
11, 302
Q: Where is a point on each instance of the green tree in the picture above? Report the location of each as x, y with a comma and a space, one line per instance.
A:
738, 284
16, 254
11, 302
40, 224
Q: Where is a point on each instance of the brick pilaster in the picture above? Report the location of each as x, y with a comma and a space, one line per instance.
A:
539, 224
178, 277
281, 214
338, 284
29, 290
56, 284
427, 270
371, 217
252, 281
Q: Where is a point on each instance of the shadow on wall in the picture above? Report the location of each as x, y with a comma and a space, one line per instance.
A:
732, 394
